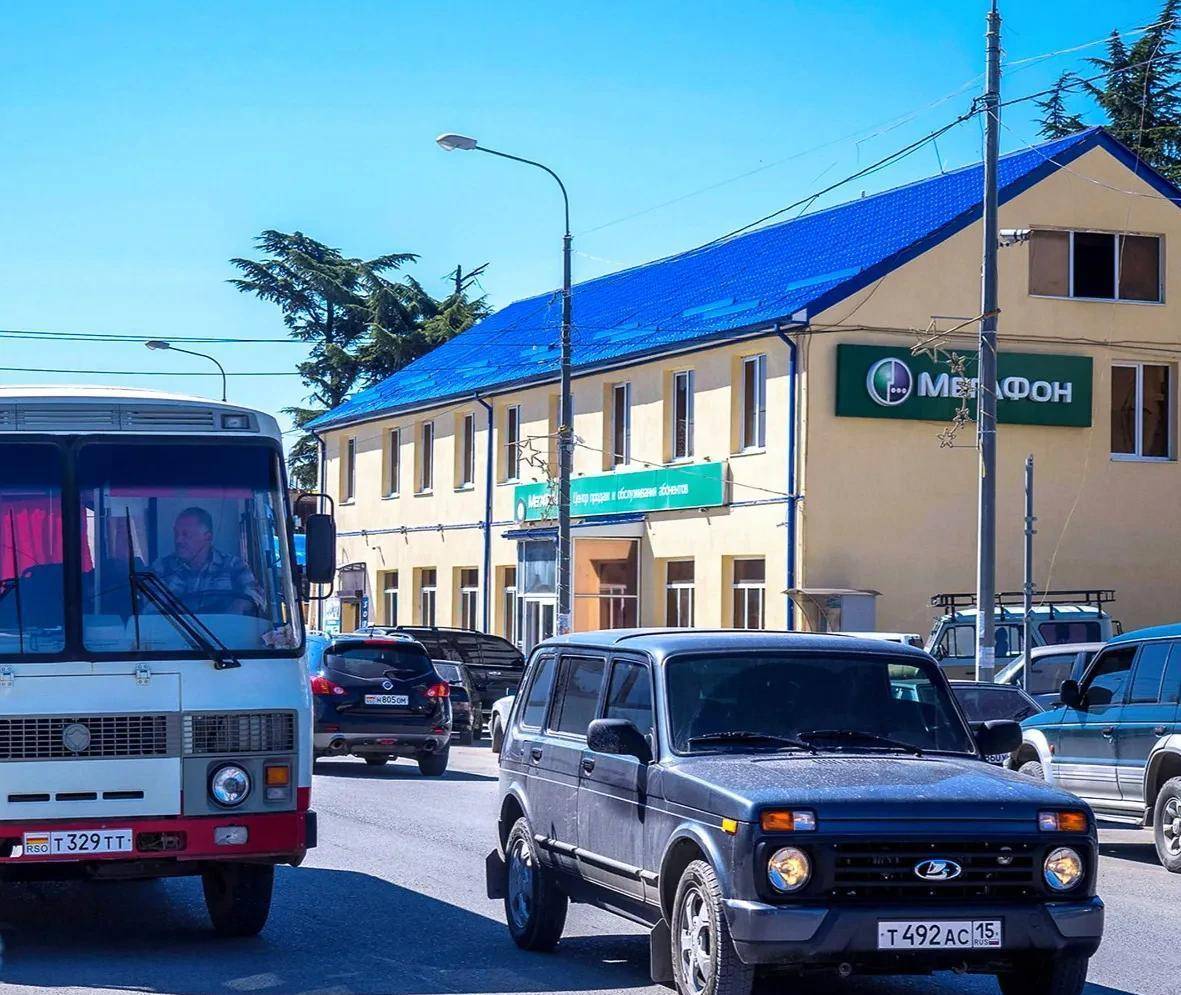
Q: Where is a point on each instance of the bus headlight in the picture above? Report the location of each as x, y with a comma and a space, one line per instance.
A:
229, 785
789, 869
1063, 869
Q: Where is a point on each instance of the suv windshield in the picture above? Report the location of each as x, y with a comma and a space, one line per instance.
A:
367, 660
781, 695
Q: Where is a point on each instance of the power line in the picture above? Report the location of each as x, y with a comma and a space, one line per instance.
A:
147, 373
114, 337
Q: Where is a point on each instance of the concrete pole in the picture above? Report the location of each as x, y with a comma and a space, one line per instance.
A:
1028, 588
986, 385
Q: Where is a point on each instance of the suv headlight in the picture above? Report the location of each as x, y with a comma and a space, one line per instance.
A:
789, 869
1063, 869
229, 785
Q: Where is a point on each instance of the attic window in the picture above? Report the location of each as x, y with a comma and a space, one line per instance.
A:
1100, 266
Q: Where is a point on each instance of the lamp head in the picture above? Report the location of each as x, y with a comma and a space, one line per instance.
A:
449, 143
157, 344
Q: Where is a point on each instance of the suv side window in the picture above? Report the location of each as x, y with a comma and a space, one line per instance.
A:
1048, 672
577, 697
1150, 669
629, 695
1170, 692
1109, 676
533, 713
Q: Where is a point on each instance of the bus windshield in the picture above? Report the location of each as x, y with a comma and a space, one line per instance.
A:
182, 533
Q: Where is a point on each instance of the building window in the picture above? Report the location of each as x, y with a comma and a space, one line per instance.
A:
682, 415
750, 593
394, 462
606, 584
469, 598
1095, 266
466, 477
621, 424
426, 457
509, 604
512, 443
427, 595
389, 597
1142, 411
679, 594
350, 469
754, 403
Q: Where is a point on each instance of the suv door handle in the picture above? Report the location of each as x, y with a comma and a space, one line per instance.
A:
535, 753
1109, 731
588, 764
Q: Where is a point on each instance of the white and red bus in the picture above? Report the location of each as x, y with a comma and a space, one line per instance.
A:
155, 714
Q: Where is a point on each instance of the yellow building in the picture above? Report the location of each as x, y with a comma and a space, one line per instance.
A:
752, 419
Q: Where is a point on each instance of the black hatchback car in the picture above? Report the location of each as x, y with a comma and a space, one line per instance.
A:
770, 801
380, 698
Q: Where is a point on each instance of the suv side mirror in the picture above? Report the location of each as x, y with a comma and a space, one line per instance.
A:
320, 532
620, 737
998, 736
1071, 695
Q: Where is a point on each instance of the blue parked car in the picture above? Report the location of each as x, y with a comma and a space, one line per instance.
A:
1116, 738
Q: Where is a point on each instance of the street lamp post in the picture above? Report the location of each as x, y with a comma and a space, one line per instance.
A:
158, 344
463, 143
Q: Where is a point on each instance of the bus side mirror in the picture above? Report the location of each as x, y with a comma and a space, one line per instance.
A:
320, 533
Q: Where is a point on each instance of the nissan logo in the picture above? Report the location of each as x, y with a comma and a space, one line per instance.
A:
387, 685
938, 870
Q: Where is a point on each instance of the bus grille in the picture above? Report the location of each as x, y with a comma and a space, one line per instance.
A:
240, 732
109, 736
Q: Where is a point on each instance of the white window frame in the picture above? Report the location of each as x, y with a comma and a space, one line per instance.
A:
467, 454
393, 483
389, 597
625, 457
749, 587
1070, 295
428, 594
511, 607
426, 458
679, 586
759, 403
469, 601
1137, 456
683, 377
512, 444
350, 470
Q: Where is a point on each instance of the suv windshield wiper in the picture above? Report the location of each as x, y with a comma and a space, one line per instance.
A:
860, 736
199, 635
747, 736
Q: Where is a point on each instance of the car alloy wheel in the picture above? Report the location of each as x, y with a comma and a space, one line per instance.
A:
695, 942
520, 883
1171, 826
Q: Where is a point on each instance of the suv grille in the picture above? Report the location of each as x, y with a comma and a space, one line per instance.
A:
240, 732
109, 736
990, 869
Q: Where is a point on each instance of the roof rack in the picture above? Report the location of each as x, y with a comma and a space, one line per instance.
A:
1010, 599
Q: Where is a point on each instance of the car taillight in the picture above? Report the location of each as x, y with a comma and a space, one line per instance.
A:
441, 690
322, 685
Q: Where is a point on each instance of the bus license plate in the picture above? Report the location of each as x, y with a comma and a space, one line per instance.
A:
80, 841
936, 934
387, 699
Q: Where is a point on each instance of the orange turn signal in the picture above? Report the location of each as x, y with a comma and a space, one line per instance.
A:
778, 820
278, 777
1070, 821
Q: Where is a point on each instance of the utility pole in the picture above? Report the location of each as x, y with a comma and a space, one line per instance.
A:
986, 367
565, 453
1030, 532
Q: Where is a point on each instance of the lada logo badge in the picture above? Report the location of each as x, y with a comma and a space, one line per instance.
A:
75, 737
938, 870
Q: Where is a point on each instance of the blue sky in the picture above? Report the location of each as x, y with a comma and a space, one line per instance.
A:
146, 143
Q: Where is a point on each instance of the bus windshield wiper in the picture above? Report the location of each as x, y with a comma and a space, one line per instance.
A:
862, 737
199, 635
748, 736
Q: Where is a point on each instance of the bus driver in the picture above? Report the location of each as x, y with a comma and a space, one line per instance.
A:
204, 578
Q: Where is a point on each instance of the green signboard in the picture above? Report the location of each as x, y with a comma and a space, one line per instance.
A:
702, 485
1031, 388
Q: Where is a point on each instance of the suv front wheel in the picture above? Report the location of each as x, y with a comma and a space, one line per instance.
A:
1049, 976
533, 904
704, 959
1166, 825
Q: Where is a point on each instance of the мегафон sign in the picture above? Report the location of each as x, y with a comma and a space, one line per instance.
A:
1032, 388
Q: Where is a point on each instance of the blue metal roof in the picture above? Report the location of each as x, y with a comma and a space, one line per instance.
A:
740, 284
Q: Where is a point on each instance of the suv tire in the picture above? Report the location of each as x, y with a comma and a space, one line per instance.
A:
1166, 825
496, 734
534, 907
434, 764
238, 897
1048, 976
1034, 769
704, 959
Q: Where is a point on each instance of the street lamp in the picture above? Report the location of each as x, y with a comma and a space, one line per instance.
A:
452, 143
158, 344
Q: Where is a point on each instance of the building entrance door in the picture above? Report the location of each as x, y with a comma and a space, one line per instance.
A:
539, 621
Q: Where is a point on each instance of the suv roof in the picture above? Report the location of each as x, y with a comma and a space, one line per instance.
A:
1170, 631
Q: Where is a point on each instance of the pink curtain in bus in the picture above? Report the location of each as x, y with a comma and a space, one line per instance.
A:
36, 526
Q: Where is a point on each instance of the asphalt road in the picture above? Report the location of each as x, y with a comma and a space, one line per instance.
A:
393, 901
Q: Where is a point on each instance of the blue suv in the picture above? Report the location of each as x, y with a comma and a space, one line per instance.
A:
1116, 738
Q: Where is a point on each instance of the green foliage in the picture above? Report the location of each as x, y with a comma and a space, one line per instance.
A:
1056, 121
361, 324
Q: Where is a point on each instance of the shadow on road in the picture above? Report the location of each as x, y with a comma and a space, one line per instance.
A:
391, 772
1144, 853
330, 931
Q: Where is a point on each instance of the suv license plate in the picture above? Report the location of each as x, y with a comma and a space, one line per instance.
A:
71, 842
387, 699
939, 934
